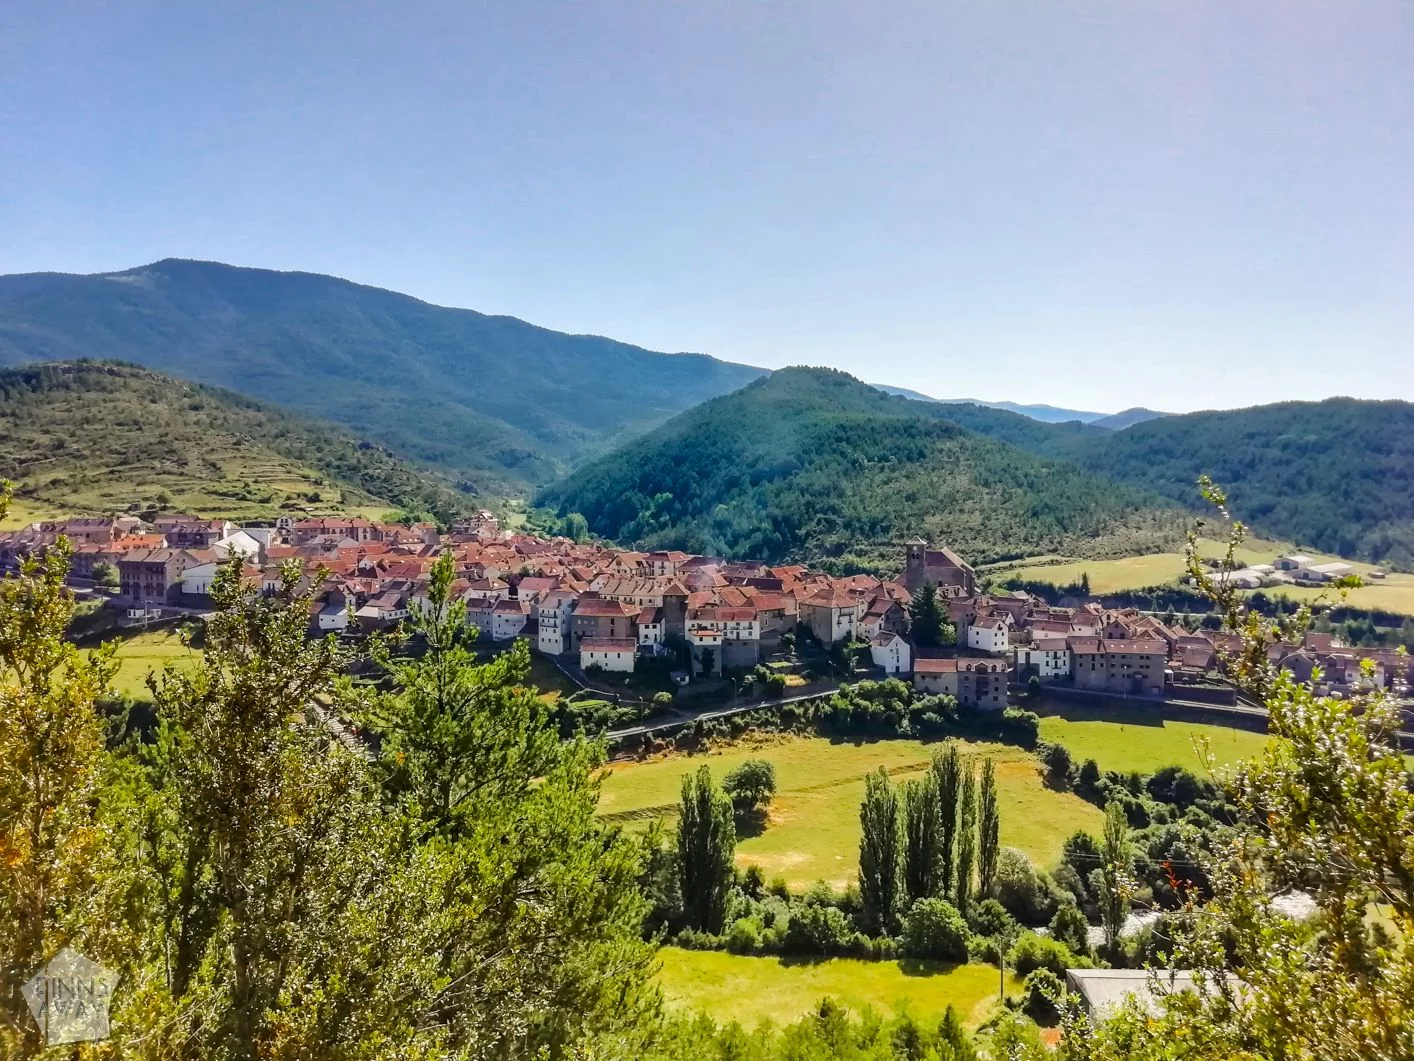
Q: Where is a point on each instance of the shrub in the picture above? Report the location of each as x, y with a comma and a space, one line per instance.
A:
1031, 951
989, 918
744, 936
1041, 992
1058, 763
1088, 783
1019, 889
817, 929
753, 881
1020, 726
662, 700
751, 785
1070, 927
934, 929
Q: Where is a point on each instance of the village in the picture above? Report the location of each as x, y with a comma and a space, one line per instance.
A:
599, 611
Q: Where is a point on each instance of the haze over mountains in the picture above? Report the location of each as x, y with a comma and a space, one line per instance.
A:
499, 407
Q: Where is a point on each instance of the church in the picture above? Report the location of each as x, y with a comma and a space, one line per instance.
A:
950, 573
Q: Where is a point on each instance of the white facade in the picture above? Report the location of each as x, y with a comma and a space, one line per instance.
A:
988, 636
891, 652
610, 654
197, 580
239, 541
334, 618
507, 622
554, 614
1051, 659
651, 633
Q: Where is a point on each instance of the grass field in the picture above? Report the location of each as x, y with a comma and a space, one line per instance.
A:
1394, 593
812, 832
750, 989
1140, 741
142, 653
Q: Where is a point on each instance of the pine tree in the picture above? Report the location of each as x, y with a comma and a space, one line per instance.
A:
927, 617
947, 772
706, 847
922, 838
988, 829
966, 837
880, 856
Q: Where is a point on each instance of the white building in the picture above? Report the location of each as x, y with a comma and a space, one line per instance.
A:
706, 642
650, 626
989, 635
608, 653
891, 652
508, 619
196, 581
554, 611
240, 541
1050, 657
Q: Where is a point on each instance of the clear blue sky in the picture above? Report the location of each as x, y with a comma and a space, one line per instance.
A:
1184, 204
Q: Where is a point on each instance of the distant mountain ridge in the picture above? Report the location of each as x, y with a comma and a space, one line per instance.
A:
493, 399
1046, 414
811, 463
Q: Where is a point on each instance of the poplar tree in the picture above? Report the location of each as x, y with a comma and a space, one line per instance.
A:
880, 856
922, 838
947, 772
1114, 869
706, 846
966, 837
988, 829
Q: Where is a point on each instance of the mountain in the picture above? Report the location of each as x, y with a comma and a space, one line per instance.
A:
494, 399
1337, 475
811, 463
1126, 418
1046, 414
103, 437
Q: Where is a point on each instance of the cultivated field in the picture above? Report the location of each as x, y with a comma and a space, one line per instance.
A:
813, 828
1138, 740
752, 989
1394, 593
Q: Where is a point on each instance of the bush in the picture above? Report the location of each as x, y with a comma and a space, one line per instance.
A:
1021, 727
1070, 927
817, 929
662, 700
1020, 890
989, 918
753, 881
1041, 992
744, 937
1058, 763
1031, 951
751, 786
1088, 783
934, 929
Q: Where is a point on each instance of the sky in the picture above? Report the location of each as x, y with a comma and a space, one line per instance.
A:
1181, 205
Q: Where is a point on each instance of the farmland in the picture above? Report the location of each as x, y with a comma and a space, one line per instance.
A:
752, 989
812, 832
1145, 741
143, 653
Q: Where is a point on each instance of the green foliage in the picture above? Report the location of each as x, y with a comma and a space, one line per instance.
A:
815, 928
966, 837
1114, 867
491, 397
1041, 994
927, 616
1031, 952
813, 463
933, 928
1019, 889
989, 825
880, 856
947, 771
95, 437
105, 576
751, 785
706, 846
922, 850
1069, 926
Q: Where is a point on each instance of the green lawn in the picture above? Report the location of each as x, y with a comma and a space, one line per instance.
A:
148, 651
751, 989
1142, 741
812, 832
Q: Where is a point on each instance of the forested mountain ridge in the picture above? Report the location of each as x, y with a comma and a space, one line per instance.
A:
493, 398
813, 463
103, 437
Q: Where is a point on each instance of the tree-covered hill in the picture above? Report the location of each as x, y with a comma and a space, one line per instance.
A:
102, 437
1336, 475
493, 398
813, 463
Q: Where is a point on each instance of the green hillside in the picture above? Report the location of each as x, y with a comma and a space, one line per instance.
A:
1337, 475
813, 463
95, 437
490, 398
